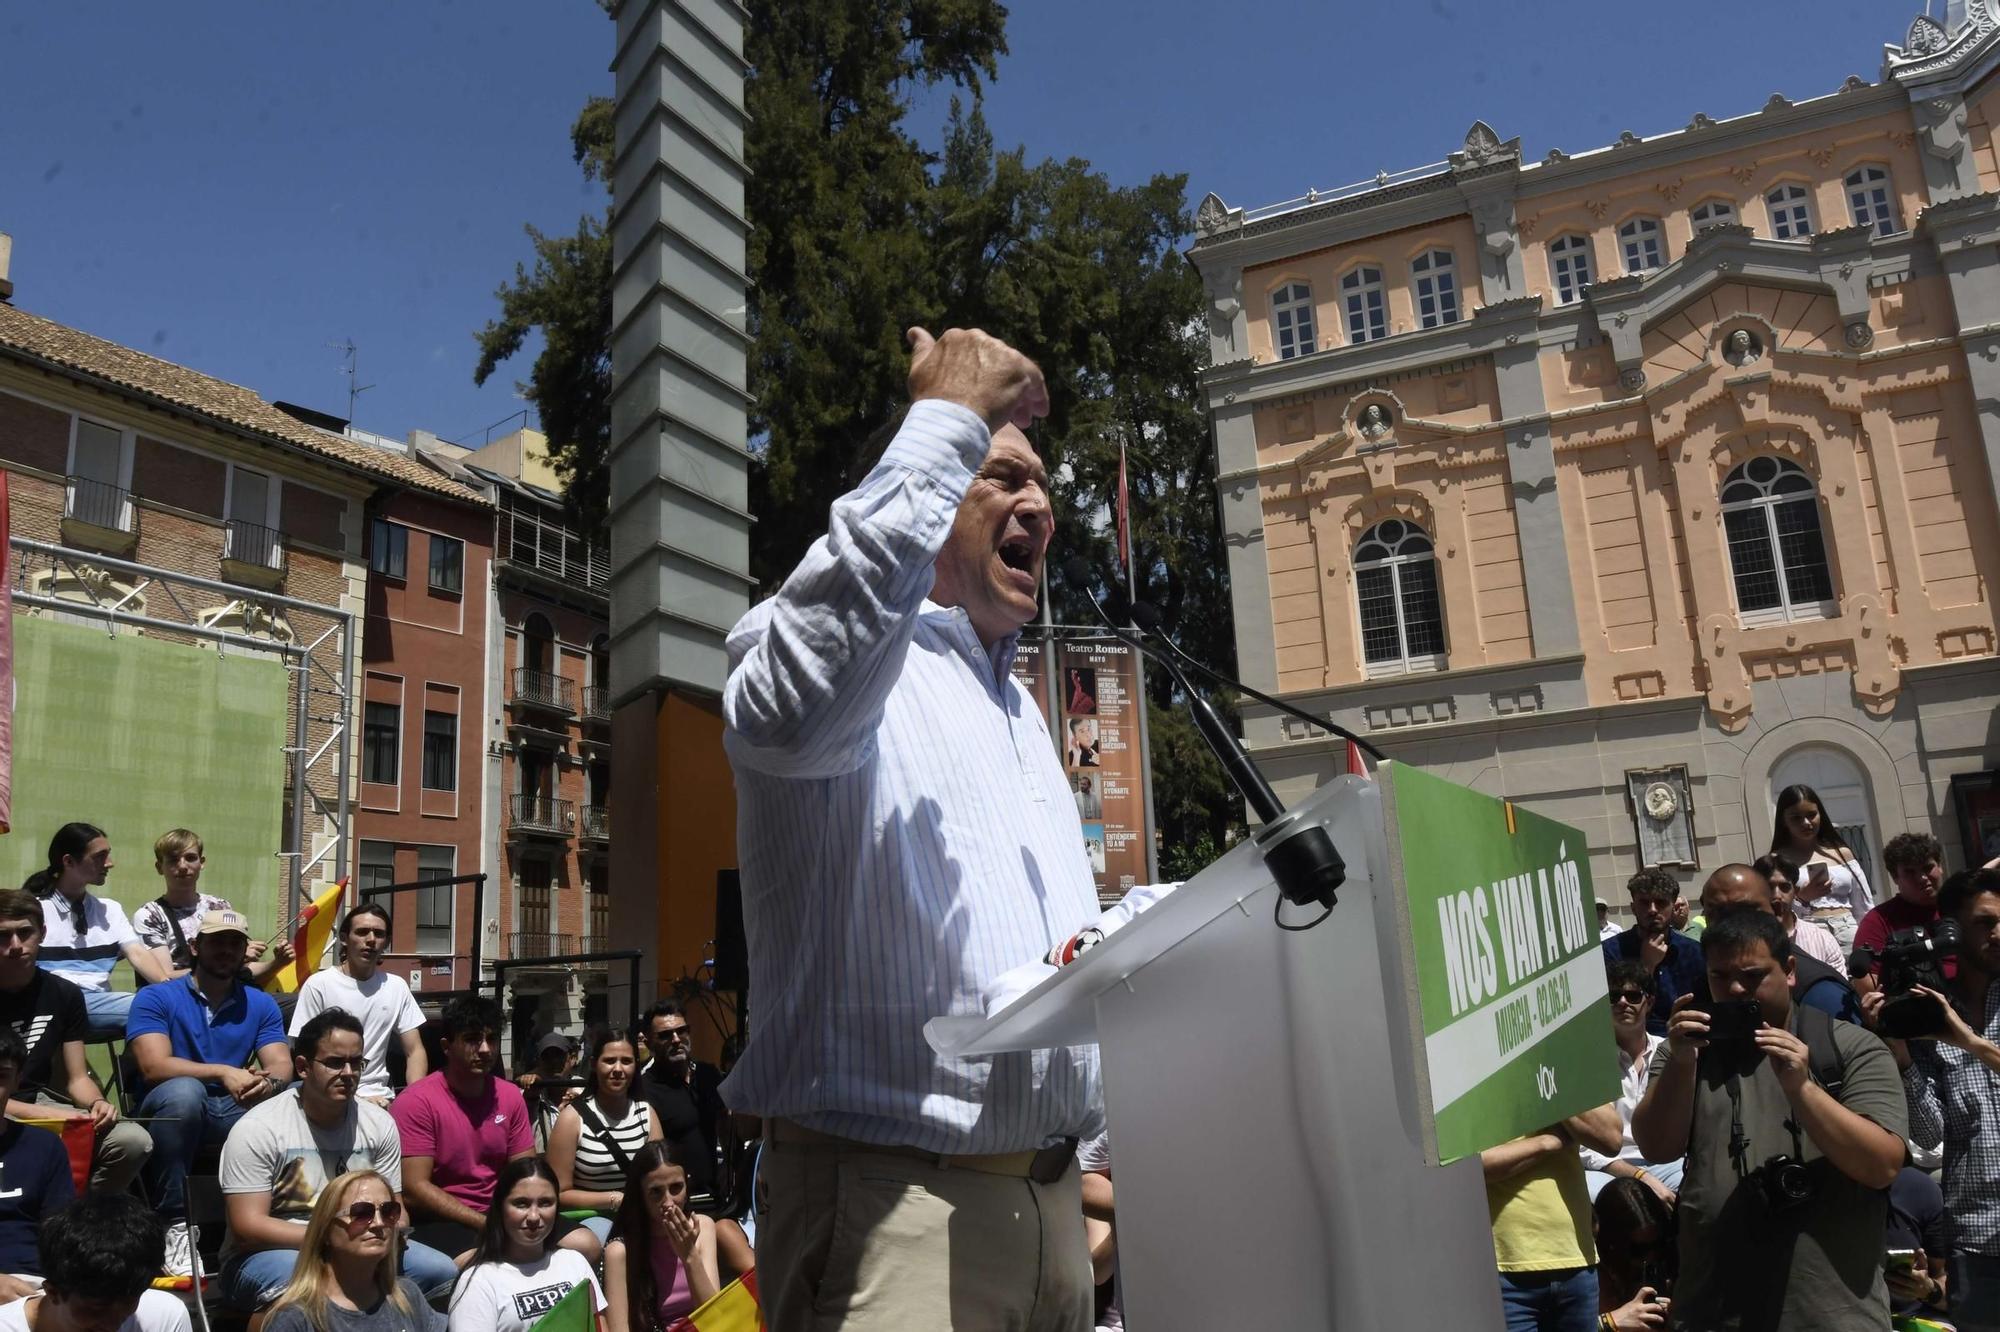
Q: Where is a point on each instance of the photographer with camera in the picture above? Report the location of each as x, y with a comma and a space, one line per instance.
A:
1952, 1079
1792, 1126
1916, 865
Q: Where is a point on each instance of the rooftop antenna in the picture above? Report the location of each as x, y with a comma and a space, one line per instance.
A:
352, 369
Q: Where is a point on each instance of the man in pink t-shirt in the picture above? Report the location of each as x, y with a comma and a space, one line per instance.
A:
1916, 864
460, 1126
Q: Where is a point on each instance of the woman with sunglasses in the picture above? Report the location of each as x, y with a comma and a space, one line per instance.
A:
1631, 1004
1834, 891
660, 1263
517, 1275
346, 1278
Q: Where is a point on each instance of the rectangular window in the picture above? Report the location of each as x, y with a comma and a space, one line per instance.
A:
381, 727
434, 905
447, 564
389, 548
375, 867
534, 940
440, 751
600, 905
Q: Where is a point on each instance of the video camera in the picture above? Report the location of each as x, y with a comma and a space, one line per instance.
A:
1911, 958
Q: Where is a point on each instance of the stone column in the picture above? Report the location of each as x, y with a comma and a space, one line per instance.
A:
680, 526
1531, 466
1966, 233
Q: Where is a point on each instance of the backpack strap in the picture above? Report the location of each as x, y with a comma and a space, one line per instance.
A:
598, 1129
174, 924
1828, 1066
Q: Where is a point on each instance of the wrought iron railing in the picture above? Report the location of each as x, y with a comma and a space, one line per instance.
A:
540, 943
596, 703
253, 544
543, 814
596, 823
99, 504
543, 690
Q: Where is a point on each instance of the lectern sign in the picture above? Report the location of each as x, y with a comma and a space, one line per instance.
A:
1501, 953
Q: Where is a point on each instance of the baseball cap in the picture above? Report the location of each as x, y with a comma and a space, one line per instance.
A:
1606, 905
555, 1040
224, 921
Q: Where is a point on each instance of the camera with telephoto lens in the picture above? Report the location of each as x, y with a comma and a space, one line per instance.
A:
1784, 1184
1911, 958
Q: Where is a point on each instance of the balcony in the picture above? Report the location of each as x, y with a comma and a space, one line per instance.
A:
542, 691
597, 704
99, 516
540, 943
252, 553
525, 540
540, 816
596, 826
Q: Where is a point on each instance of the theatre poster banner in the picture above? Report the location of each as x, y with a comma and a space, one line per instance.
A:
1501, 955
1093, 695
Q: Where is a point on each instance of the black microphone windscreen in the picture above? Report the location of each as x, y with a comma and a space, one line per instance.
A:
1076, 572
1147, 616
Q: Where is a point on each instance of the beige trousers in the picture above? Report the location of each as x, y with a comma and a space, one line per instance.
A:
849, 1239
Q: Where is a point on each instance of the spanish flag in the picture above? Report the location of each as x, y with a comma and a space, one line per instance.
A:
734, 1309
315, 929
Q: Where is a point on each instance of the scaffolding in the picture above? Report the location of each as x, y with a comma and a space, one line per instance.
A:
316, 642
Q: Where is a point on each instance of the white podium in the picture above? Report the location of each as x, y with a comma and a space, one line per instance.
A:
1269, 1168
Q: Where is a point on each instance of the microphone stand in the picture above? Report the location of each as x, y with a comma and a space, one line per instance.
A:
1146, 619
1301, 856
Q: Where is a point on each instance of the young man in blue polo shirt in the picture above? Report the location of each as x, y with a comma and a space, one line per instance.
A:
192, 1039
1671, 959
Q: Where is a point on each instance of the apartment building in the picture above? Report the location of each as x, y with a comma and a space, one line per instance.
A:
1637, 483
188, 581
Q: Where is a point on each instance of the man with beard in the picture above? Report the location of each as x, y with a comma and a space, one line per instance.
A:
460, 1127
906, 836
682, 1092
191, 1039
1671, 959
285, 1151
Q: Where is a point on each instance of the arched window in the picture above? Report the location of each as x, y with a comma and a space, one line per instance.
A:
538, 642
1791, 212
1770, 515
1712, 213
1437, 288
1569, 265
1292, 320
1396, 587
1643, 244
1367, 316
1869, 199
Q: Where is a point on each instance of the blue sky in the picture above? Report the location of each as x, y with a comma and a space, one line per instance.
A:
236, 186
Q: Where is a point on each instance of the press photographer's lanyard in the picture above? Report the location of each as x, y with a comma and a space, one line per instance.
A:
1739, 1142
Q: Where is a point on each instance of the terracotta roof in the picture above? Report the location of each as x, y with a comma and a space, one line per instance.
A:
229, 405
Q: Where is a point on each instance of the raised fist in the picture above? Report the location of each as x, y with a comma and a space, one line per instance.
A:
978, 371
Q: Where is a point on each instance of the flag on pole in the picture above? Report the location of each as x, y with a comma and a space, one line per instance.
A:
315, 931
1122, 518
1357, 766
734, 1309
6, 669
574, 1312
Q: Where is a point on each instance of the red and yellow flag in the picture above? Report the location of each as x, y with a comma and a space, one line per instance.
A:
315, 929
734, 1309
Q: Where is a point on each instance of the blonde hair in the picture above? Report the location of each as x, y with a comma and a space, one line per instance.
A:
171, 843
312, 1277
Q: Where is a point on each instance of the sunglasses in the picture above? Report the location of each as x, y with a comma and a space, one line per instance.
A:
351, 1065
364, 1213
1633, 997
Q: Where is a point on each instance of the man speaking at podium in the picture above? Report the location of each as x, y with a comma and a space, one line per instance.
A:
906, 835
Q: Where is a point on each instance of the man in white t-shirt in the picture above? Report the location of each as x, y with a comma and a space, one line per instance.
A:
284, 1152
381, 999
99, 1257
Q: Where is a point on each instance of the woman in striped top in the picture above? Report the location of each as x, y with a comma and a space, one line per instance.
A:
598, 1136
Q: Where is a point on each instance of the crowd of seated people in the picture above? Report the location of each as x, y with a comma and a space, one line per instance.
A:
359, 1192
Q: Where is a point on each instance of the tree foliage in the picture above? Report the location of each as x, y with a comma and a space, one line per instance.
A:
858, 233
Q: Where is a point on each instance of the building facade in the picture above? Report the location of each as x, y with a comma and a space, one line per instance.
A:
549, 758
1639, 483
188, 584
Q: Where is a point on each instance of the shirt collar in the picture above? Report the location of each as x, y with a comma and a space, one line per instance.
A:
235, 992
956, 626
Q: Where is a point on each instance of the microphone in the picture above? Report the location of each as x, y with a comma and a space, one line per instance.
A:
1301, 857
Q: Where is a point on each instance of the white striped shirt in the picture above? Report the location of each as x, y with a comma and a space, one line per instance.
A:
596, 1168
904, 829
